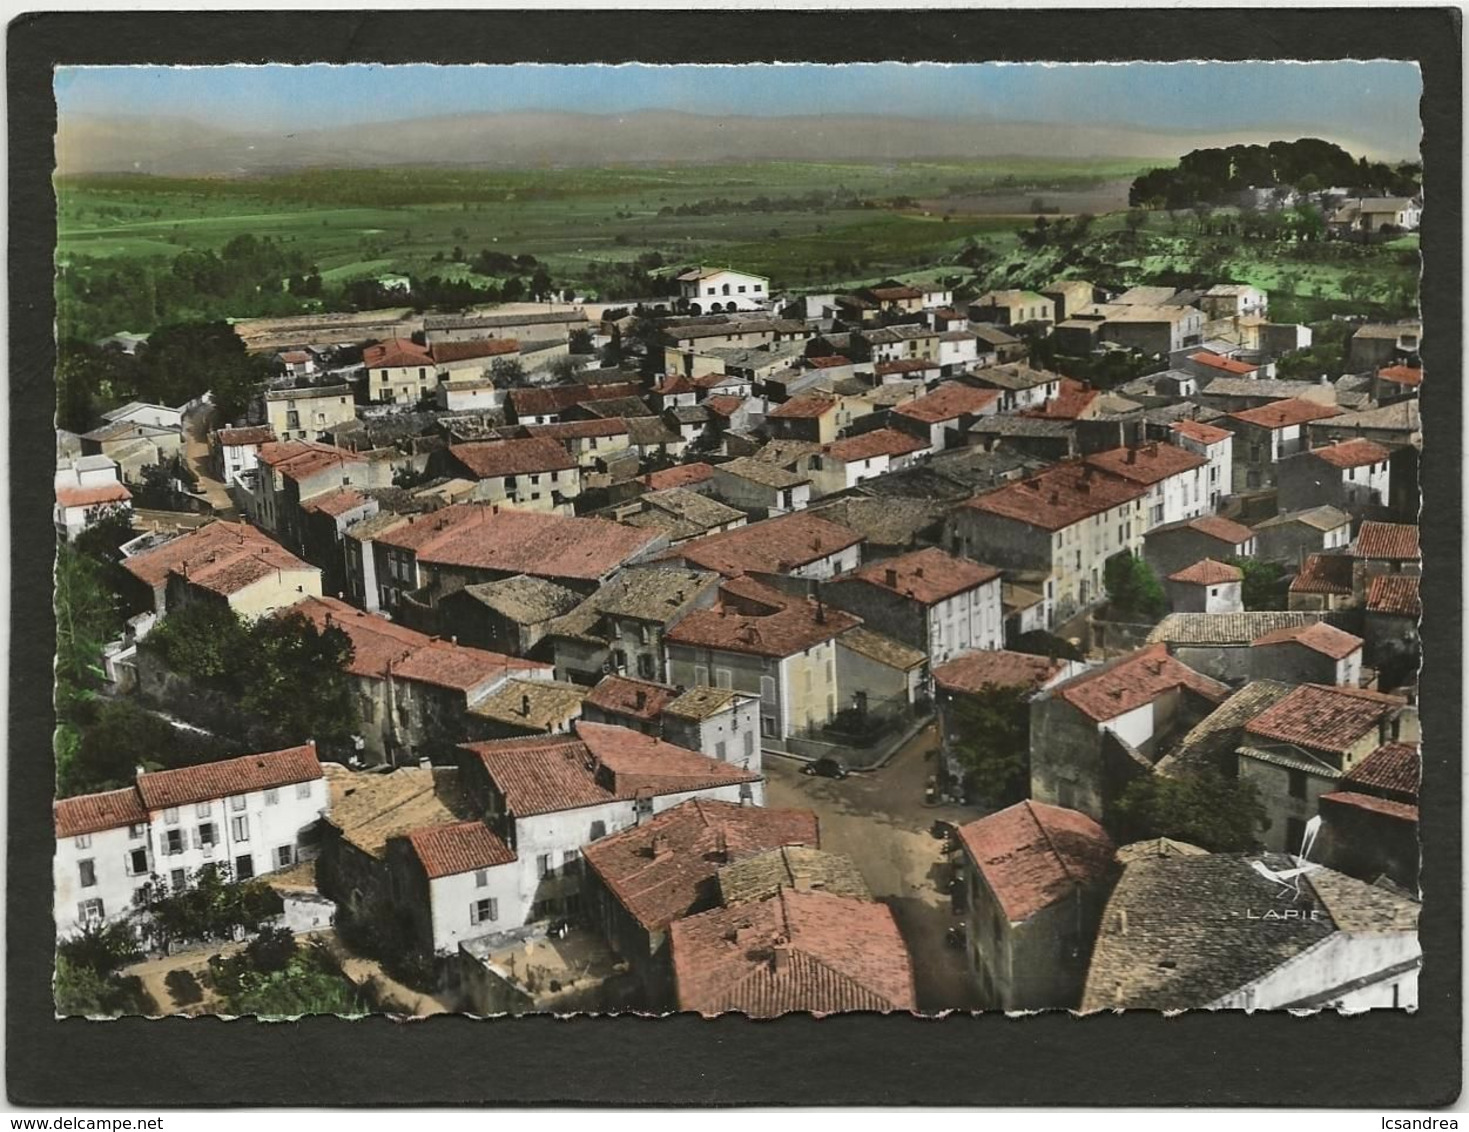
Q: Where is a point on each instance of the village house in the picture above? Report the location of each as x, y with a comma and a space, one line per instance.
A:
1205, 587
1064, 523
306, 414
470, 361
1384, 548
399, 372
1336, 944
1376, 345
225, 562
1214, 444
693, 477
928, 599
1068, 296
511, 615
1234, 300
591, 442
235, 450
524, 327
719, 722
845, 463
1012, 308
1175, 479
754, 485
815, 416
532, 472
939, 418
1236, 394
714, 289
1318, 653
801, 545
959, 350
467, 395
678, 513
643, 879
1037, 878
1267, 435
520, 708
133, 445
1390, 617
1020, 387
1291, 536
1395, 383
1369, 824
629, 702
549, 404
763, 642
1323, 582
414, 693
1206, 365
289, 473
794, 951
1159, 331
253, 815
1220, 645
1092, 733
1351, 475
547, 798
1377, 214
86, 493
1297, 750
1005, 346
1178, 545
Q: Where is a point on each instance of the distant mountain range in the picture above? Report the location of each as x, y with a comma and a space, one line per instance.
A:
182, 146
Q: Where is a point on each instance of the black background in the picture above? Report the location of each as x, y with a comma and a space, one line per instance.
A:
1379, 1060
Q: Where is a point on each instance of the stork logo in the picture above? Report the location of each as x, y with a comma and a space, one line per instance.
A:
1288, 882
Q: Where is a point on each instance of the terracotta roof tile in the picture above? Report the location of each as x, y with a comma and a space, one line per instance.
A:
442, 353
1322, 718
667, 868
493, 458
92, 496
447, 850
772, 546
638, 699
550, 399
1134, 680
243, 437
335, 503
680, 476
797, 951
1403, 811
1058, 496
93, 813
1387, 540
928, 576
218, 556
1223, 364
1396, 595
1324, 574
947, 402
1203, 433
302, 459
1032, 855
1148, 464
1317, 636
165, 789
756, 620
805, 406
1352, 453
878, 442
1402, 375
1393, 770
1279, 414
972, 672
1207, 572
395, 353
1069, 404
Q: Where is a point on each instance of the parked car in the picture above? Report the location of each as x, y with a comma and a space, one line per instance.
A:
826, 767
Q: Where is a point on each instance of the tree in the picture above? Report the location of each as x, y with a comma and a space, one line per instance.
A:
211, 907
993, 726
87, 982
507, 372
1261, 588
283, 980
1132, 587
1201, 807
580, 341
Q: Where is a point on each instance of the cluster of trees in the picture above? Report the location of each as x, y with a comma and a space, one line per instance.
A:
1133, 590
1309, 165
179, 362
87, 981
1062, 233
817, 200
630, 279
287, 678
1202, 807
994, 744
274, 976
1264, 584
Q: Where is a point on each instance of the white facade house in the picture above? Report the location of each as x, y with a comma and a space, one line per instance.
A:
237, 451
87, 492
713, 289
1234, 300
144, 413
1217, 446
473, 395
718, 722
254, 814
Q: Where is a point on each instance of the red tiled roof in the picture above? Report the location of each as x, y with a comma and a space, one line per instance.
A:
443, 353
1225, 530
557, 398
949, 401
1351, 453
602, 764
1058, 496
1070, 403
1322, 718
878, 442
302, 459
335, 503
1203, 433
1317, 636
928, 576
796, 951
894, 294
1394, 768
1279, 414
806, 406
93, 813
723, 405
1225, 365
1207, 572
396, 353
244, 437
1324, 574
1395, 594
165, 789
1402, 375
524, 542
490, 459
447, 850
1387, 540
380, 646
680, 476
771, 546
618, 695
1403, 811
1133, 681
830, 361
91, 496
579, 430
1148, 464
903, 365
666, 868
973, 672
222, 557
1032, 855
757, 620
674, 383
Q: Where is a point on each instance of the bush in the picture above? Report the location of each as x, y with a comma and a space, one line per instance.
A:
1133, 588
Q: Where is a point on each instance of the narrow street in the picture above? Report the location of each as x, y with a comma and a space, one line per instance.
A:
879, 819
196, 455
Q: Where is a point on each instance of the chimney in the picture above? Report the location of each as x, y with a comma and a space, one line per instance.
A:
780, 957
660, 846
1132, 455
892, 577
525, 704
721, 845
641, 699
425, 764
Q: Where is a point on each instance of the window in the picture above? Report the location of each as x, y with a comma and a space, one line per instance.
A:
749, 743
177, 879
272, 796
88, 871
240, 828
173, 842
720, 751
723, 678
202, 810
303, 789
484, 911
701, 674
237, 803
136, 831
283, 857
244, 866
543, 864
1297, 784
481, 878
207, 837
767, 689
90, 911
171, 816
570, 857
137, 862
643, 807
599, 829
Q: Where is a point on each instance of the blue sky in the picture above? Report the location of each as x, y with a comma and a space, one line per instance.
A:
1376, 102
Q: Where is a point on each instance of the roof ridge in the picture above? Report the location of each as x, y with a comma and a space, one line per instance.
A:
1050, 842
